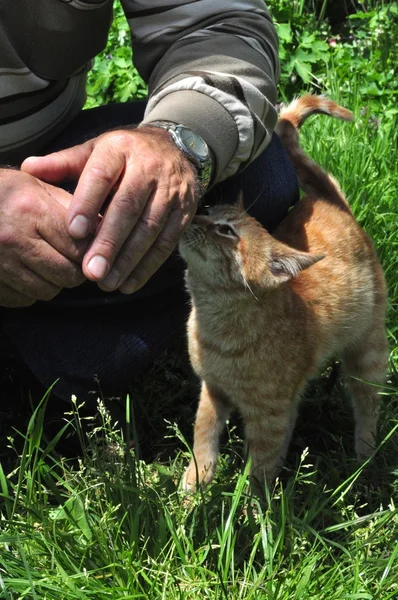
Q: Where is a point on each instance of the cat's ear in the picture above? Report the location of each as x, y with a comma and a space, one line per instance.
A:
290, 263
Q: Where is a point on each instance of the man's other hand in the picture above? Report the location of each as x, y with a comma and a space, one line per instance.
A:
38, 257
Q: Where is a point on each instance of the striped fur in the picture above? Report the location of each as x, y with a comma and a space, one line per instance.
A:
268, 311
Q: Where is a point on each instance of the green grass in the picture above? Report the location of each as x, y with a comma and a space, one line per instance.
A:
111, 526
107, 524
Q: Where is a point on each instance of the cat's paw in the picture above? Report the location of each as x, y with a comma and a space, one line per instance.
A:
198, 475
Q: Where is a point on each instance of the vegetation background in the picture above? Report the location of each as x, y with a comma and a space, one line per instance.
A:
111, 525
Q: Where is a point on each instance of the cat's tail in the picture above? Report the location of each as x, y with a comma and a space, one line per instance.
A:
312, 178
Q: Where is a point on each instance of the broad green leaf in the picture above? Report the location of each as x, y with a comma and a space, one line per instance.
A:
284, 31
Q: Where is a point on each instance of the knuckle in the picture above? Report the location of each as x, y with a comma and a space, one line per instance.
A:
127, 205
25, 203
140, 249
106, 246
119, 138
102, 174
151, 225
153, 163
172, 168
164, 247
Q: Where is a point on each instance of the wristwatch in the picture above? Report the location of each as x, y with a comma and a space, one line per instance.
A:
194, 147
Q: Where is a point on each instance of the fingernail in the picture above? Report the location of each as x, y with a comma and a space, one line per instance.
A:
98, 267
79, 226
111, 281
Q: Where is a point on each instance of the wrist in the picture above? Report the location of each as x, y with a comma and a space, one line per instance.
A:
193, 147
162, 139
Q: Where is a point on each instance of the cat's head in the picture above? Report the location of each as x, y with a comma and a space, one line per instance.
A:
227, 248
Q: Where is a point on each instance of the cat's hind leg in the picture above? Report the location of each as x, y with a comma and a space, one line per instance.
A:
365, 366
213, 410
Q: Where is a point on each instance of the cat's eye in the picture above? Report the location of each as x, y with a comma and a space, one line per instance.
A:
225, 230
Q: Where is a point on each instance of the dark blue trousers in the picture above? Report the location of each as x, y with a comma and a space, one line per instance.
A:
84, 334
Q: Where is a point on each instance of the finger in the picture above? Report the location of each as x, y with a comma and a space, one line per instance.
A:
52, 228
53, 267
163, 246
10, 298
61, 196
99, 176
27, 283
148, 217
59, 166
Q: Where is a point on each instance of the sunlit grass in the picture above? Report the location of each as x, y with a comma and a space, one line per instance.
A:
110, 526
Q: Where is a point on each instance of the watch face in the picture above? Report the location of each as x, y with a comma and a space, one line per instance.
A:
194, 143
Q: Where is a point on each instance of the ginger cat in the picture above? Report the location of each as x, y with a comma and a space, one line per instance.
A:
268, 311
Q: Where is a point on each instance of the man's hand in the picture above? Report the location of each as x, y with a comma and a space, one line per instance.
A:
154, 198
37, 255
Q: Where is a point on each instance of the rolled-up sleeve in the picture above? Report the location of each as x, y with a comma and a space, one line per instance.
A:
211, 65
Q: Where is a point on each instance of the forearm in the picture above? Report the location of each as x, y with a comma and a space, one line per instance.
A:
211, 66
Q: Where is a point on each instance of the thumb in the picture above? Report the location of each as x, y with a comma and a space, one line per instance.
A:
59, 166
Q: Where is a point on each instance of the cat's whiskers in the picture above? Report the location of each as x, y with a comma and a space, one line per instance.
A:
191, 243
247, 286
246, 210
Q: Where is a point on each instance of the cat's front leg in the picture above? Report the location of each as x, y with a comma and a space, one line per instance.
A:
214, 409
268, 433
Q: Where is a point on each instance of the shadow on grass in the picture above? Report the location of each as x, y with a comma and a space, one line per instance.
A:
168, 392
87, 499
